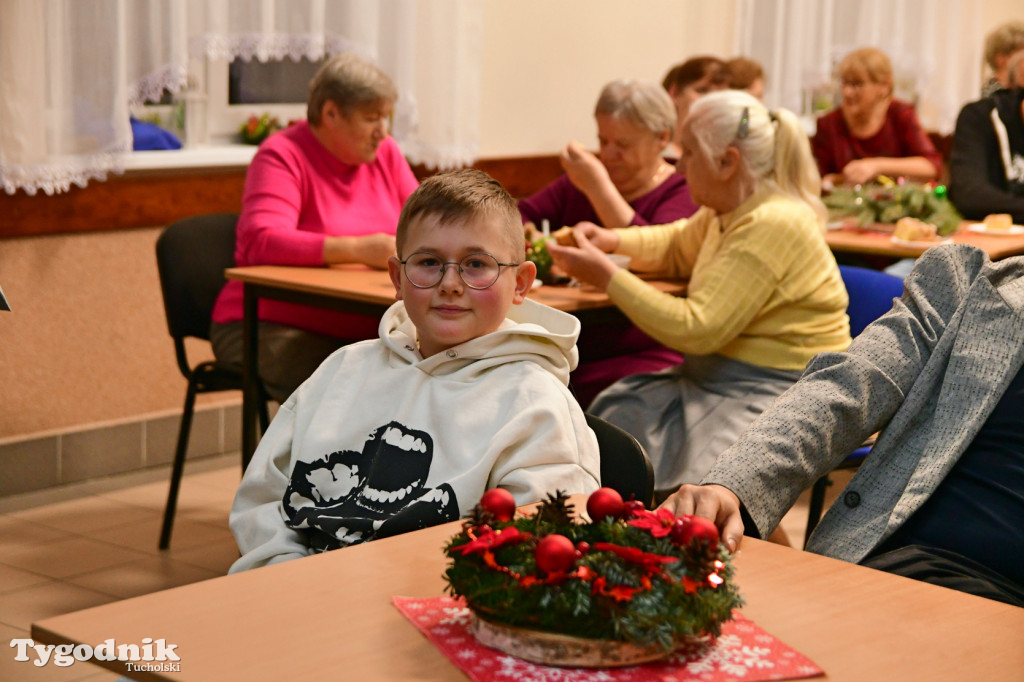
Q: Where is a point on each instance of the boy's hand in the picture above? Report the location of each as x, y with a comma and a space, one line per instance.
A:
714, 502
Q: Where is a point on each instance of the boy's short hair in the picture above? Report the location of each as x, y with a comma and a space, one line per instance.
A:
460, 195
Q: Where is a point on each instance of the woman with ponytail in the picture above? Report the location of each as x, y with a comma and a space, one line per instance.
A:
764, 296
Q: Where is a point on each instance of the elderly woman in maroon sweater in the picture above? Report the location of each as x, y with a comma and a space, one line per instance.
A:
627, 182
870, 133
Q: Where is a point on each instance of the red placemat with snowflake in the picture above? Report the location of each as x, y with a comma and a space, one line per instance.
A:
743, 652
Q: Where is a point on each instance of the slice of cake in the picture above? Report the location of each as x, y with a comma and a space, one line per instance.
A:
914, 230
998, 222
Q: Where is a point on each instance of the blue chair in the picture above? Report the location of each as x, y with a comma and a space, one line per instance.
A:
871, 295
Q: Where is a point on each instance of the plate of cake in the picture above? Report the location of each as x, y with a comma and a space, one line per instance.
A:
997, 224
916, 234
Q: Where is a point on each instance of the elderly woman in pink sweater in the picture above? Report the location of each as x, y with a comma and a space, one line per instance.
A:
326, 190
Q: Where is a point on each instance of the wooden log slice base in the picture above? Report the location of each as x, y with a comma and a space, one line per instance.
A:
549, 648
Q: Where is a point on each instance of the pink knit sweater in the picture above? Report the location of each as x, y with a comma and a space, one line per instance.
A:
296, 194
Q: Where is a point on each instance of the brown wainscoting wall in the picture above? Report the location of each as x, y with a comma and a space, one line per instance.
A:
152, 198
123, 202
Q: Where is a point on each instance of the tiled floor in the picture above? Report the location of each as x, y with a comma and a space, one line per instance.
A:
101, 546
69, 555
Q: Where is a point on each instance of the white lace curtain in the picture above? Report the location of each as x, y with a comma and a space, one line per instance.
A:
70, 69
935, 48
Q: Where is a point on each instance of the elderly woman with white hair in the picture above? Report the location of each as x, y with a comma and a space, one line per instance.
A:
627, 182
764, 296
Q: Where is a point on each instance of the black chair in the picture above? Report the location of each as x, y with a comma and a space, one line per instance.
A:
871, 295
624, 465
191, 257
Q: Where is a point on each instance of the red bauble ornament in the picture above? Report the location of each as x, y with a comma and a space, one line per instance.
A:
686, 529
679, 531
633, 507
499, 502
555, 553
605, 503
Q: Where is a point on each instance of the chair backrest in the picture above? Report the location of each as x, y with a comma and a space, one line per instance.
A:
871, 294
624, 465
191, 256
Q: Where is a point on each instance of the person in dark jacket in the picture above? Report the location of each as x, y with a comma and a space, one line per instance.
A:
987, 161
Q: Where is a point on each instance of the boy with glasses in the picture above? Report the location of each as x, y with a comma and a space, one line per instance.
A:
465, 390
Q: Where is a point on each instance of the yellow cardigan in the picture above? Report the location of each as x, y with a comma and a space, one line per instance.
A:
764, 287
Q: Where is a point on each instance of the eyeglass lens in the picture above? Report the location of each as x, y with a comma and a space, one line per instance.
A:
478, 270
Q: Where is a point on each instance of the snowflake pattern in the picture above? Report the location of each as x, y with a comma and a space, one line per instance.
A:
455, 616
732, 656
744, 652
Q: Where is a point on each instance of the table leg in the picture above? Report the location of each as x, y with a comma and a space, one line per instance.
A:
250, 373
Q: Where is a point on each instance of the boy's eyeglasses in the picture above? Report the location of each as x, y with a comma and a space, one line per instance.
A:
477, 270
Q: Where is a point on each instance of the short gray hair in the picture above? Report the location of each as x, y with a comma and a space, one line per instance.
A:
1004, 39
351, 83
645, 104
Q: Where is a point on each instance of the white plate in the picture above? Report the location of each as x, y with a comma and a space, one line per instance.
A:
920, 244
620, 260
981, 229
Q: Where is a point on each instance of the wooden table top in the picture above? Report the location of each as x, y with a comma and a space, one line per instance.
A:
332, 612
854, 240
359, 283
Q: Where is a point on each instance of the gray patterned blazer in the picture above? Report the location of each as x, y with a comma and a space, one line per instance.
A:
926, 374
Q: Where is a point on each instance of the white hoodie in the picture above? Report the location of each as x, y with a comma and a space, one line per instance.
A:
380, 440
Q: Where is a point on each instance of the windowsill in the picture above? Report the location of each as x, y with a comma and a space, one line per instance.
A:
206, 156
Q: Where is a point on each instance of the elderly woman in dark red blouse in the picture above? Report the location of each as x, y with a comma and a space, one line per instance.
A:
627, 182
871, 133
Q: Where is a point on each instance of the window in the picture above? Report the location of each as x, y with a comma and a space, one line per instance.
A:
277, 82
87, 66
238, 89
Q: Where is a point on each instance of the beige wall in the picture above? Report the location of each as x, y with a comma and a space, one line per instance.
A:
88, 382
994, 13
545, 62
86, 341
